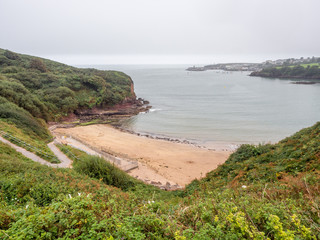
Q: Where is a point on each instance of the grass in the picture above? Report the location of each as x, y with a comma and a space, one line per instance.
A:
310, 64
305, 65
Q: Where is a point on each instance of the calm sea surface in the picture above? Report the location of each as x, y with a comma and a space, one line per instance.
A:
217, 107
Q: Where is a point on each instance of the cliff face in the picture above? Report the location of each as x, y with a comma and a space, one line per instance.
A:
132, 90
132, 98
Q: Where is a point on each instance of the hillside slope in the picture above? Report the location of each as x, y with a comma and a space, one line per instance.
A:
295, 155
50, 90
264, 192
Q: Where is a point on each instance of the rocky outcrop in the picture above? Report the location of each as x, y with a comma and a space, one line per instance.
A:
128, 108
305, 82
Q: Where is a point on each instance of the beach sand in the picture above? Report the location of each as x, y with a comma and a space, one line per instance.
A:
159, 160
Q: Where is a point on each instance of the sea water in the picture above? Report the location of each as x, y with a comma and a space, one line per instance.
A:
219, 107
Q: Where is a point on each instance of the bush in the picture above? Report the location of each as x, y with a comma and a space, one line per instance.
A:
21, 118
246, 151
38, 64
15, 92
11, 55
99, 168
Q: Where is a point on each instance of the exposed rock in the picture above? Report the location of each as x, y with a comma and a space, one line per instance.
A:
304, 82
128, 108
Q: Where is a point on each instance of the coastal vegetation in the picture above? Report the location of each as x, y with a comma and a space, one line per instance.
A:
261, 192
50, 90
302, 71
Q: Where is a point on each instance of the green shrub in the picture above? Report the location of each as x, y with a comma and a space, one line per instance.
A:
11, 55
18, 94
21, 118
52, 90
38, 64
99, 168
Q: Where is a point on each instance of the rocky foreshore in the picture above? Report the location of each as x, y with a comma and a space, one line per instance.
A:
305, 82
120, 111
109, 115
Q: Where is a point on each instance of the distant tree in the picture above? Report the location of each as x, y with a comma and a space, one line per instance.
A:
298, 71
314, 72
38, 64
287, 62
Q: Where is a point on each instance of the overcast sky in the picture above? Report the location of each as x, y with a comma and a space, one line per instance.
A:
161, 31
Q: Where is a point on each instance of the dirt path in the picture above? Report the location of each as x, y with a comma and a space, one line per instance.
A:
65, 161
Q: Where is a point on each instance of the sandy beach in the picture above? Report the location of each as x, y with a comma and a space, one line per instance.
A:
159, 160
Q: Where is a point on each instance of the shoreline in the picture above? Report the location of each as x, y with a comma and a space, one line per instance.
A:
161, 162
118, 124
217, 146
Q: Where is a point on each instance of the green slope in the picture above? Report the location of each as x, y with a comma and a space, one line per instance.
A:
49, 90
264, 192
292, 156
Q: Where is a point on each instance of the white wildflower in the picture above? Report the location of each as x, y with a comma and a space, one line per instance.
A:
27, 206
244, 186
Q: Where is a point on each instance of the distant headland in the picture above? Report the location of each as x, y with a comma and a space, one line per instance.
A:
300, 68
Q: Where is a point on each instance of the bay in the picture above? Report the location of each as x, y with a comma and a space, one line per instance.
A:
218, 107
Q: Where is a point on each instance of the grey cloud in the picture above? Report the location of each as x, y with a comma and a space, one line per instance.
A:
167, 27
